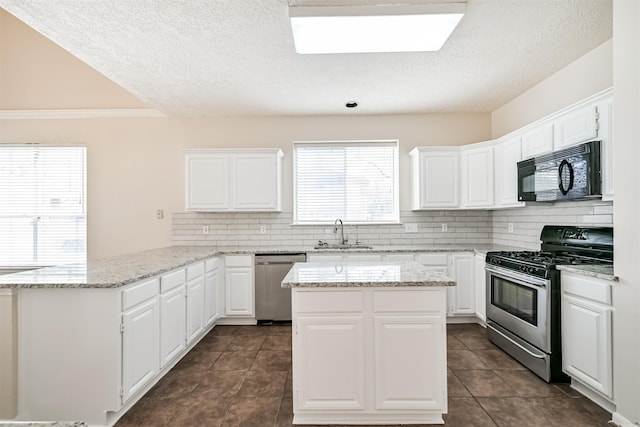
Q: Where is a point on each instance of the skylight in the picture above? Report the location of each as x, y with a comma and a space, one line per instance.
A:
352, 29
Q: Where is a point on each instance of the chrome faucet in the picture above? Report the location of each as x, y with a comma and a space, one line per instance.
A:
335, 230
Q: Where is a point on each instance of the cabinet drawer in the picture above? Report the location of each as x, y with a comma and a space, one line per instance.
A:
432, 301
171, 280
239, 261
138, 293
433, 259
585, 287
329, 302
211, 264
195, 270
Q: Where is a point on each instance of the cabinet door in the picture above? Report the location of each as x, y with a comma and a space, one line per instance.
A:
477, 177
537, 141
239, 291
329, 363
415, 379
461, 298
211, 295
172, 324
586, 343
438, 179
507, 156
256, 182
140, 347
195, 307
576, 127
605, 112
481, 287
207, 180
337, 259
363, 257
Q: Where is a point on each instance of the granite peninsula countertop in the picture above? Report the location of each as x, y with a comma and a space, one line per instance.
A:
111, 272
363, 274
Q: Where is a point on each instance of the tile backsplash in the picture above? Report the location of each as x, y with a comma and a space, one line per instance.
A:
528, 222
463, 227
242, 229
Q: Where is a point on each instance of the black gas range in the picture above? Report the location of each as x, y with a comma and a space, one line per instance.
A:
523, 294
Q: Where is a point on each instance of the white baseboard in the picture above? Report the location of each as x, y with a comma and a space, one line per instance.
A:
621, 421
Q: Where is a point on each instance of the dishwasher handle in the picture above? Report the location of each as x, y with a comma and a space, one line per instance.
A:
272, 259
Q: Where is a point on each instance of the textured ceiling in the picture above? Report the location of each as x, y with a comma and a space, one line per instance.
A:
236, 57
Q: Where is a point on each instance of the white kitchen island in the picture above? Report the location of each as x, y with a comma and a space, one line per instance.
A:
369, 343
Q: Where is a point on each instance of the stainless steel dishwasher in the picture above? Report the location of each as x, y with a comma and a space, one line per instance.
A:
273, 302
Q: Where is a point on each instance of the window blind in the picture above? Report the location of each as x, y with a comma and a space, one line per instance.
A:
42, 205
354, 181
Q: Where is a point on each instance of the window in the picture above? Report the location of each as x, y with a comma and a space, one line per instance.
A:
42, 205
354, 181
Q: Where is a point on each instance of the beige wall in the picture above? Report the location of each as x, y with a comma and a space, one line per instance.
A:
626, 297
582, 78
38, 74
135, 166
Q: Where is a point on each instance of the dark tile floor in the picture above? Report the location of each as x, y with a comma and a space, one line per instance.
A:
241, 376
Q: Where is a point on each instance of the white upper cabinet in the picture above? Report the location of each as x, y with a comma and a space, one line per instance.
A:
434, 177
508, 152
477, 176
207, 181
605, 131
575, 127
233, 180
537, 141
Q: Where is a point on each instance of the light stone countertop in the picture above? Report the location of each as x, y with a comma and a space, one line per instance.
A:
363, 274
110, 272
604, 272
124, 269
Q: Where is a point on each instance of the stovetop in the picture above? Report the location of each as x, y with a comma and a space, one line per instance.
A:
540, 263
561, 245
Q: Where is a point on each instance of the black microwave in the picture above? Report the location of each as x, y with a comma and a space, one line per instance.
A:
568, 174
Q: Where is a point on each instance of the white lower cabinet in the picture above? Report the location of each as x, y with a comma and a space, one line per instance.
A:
332, 344
239, 286
172, 324
195, 301
140, 339
480, 287
461, 298
211, 291
369, 355
587, 332
408, 380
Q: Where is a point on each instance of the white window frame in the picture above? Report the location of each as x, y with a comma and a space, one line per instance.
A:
396, 185
36, 217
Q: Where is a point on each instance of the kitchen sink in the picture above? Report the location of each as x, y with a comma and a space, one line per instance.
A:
345, 246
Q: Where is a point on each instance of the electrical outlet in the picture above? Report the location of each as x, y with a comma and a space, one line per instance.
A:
205, 229
263, 229
411, 228
445, 227
510, 227
159, 214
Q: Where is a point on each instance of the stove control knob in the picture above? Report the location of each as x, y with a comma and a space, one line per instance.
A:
532, 269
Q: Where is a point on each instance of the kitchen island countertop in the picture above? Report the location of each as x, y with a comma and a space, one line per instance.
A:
363, 274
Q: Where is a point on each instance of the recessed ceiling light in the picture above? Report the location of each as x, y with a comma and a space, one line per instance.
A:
385, 28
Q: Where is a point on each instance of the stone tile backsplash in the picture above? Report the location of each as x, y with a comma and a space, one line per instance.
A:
464, 226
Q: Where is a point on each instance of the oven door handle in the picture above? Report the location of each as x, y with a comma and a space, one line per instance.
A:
520, 346
522, 279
